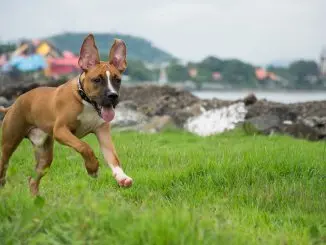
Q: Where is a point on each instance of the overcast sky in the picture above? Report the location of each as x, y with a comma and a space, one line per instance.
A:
257, 31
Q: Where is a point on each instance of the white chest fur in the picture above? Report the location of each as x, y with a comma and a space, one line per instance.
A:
88, 119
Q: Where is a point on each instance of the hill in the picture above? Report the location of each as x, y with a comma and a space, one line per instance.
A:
138, 48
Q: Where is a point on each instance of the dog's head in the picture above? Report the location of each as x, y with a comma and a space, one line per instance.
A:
101, 80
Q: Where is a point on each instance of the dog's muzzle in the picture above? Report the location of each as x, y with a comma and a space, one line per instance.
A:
110, 99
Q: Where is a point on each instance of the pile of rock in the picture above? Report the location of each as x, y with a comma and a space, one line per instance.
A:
303, 120
151, 108
154, 100
164, 104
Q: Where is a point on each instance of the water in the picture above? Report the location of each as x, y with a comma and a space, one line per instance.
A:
277, 96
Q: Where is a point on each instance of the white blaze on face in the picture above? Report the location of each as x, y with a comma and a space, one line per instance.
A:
111, 88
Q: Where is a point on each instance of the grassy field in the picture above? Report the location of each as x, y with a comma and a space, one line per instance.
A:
226, 189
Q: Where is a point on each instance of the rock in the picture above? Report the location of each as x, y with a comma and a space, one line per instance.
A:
217, 120
318, 123
250, 99
300, 130
310, 117
266, 117
271, 124
262, 124
127, 117
309, 109
153, 100
128, 104
264, 107
315, 122
216, 103
158, 123
159, 95
3, 101
195, 109
11, 89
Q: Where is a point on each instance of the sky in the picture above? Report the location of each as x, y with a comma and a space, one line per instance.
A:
256, 31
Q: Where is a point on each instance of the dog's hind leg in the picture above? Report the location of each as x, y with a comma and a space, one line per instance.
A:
7, 150
11, 138
43, 150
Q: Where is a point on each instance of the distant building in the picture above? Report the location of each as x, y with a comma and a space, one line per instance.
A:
192, 72
35, 55
216, 76
261, 73
322, 64
41, 47
163, 78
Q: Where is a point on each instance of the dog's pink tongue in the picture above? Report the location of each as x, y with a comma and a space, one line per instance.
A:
107, 114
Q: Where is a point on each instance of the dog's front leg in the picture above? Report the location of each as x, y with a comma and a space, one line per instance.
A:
104, 137
64, 136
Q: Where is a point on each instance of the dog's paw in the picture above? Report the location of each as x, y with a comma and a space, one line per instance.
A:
33, 186
92, 170
93, 175
123, 180
2, 182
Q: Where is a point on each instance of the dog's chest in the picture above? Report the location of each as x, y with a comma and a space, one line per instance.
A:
88, 120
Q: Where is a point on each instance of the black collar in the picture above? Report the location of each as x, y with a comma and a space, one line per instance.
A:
86, 98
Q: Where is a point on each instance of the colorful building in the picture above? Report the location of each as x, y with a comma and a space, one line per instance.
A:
36, 55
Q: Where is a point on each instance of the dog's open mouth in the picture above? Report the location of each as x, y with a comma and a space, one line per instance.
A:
107, 113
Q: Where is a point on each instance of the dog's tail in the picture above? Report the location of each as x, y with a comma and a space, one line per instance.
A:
4, 109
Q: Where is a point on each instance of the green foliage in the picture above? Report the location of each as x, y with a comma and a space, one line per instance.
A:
303, 68
225, 189
212, 64
138, 48
282, 71
299, 74
233, 71
238, 73
137, 70
6, 48
177, 73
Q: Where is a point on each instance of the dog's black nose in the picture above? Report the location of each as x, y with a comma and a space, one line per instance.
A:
112, 96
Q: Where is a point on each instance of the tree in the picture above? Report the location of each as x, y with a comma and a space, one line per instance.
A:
177, 72
239, 73
138, 72
211, 64
8, 47
302, 69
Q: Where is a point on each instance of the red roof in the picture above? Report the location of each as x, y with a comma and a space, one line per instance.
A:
64, 61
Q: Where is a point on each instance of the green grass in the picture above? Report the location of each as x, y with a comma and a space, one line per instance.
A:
226, 189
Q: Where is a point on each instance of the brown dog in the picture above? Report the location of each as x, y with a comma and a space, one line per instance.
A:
69, 112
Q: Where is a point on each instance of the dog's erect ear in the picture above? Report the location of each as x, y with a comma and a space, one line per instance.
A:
118, 55
88, 53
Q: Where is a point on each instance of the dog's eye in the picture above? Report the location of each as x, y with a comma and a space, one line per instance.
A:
97, 80
117, 80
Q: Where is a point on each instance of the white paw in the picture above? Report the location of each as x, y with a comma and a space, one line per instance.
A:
122, 179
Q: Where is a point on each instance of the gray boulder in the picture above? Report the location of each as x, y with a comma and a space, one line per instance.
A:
3, 101
158, 123
264, 124
127, 117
